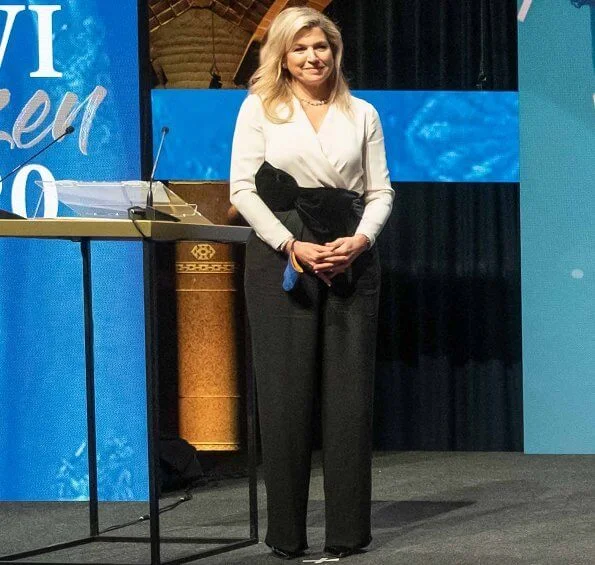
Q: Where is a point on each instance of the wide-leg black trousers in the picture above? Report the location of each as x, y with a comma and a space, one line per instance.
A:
313, 340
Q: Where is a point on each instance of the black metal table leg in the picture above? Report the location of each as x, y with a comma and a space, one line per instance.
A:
90, 387
149, 270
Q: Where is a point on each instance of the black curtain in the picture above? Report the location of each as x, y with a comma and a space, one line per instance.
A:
449, 348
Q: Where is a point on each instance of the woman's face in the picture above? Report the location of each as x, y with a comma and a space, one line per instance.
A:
310, 59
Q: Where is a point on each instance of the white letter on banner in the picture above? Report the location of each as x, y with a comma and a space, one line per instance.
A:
39, 100
45, 41
11, 14
524, 10
4, 100
19, 192
67, 113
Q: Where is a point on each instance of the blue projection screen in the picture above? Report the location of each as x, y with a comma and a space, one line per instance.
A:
430, 136
557, 107
71, 62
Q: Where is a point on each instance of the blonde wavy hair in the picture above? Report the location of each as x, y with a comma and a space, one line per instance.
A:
273, 83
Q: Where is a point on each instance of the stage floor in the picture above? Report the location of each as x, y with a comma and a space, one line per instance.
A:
429, 508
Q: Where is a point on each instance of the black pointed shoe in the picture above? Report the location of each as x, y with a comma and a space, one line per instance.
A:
341, 551
283, 554
344, 551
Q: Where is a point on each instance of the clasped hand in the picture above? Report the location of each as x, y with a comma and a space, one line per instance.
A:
328, 260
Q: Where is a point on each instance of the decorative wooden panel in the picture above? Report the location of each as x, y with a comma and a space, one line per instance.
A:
210, 329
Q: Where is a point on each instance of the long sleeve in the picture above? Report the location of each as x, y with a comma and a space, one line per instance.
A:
378, 193
247, 155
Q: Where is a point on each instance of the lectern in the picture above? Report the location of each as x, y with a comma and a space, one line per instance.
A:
83, 231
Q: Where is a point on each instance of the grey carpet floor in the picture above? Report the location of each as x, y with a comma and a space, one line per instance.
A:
429, 508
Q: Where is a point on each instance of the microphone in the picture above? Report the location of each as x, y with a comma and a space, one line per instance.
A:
164, 132
5, 215
150, 212
67, 131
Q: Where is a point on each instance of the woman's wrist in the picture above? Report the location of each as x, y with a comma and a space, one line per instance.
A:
288, 246
365, 240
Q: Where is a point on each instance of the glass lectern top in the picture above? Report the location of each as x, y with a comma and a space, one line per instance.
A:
114, 199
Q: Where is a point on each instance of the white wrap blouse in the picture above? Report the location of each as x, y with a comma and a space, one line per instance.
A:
347, 152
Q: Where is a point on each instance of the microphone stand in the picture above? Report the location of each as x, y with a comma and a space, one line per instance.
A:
150, 212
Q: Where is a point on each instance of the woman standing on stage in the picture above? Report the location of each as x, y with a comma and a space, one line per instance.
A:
309, 174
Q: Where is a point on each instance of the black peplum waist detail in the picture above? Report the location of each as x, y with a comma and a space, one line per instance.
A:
328, 213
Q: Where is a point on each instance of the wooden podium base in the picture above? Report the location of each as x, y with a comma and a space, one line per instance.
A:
210, 327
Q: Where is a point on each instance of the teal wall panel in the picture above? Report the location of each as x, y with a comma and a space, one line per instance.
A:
557, 128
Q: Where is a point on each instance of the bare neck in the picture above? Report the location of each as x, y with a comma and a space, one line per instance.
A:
319, 92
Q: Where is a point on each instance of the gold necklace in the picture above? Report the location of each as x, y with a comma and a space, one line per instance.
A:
313, 102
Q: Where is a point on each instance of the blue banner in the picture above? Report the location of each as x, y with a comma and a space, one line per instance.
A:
62, 63
430, 136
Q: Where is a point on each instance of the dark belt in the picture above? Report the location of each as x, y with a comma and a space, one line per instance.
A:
328, 213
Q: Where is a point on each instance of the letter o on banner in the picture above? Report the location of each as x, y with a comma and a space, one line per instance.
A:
19, 192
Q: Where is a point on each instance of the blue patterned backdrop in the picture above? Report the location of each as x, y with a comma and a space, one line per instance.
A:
430, 136
42, 422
